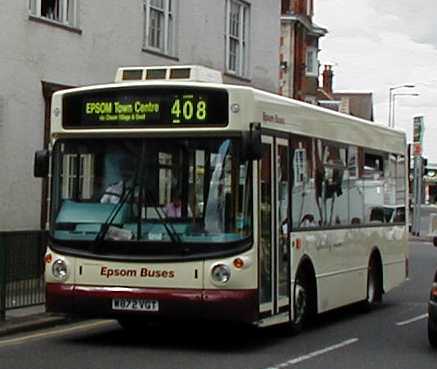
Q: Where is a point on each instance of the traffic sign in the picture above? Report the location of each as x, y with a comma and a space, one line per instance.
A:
417, 149
418, 129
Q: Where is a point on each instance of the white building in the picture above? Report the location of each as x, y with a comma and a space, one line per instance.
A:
49, 44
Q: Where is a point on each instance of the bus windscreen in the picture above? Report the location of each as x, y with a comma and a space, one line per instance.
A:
140, 107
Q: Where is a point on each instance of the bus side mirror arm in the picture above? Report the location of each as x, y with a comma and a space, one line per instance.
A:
251, 148
41, 164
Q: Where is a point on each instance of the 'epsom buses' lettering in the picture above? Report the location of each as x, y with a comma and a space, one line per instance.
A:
132, 273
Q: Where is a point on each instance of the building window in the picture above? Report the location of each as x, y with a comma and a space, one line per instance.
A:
159, 26
71, 167
237, 32
312, 63
62, 11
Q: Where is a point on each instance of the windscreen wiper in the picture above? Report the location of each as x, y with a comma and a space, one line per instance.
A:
113, 214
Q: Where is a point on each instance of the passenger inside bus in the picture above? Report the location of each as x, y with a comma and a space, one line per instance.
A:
174, 208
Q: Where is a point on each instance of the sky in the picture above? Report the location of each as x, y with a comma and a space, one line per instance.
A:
374, 45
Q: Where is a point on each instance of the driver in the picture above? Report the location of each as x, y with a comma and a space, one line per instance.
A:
115, 191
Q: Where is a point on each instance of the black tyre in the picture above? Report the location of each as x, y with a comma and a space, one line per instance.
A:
432, 335
303, 302
374, 285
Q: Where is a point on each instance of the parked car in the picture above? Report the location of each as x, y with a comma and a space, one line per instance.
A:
432, 310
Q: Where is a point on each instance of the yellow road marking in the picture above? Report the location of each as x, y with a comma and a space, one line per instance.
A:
56, 332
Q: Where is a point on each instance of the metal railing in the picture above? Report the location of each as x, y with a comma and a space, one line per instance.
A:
21, 269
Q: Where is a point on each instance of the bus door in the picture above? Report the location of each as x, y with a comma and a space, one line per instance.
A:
274, 268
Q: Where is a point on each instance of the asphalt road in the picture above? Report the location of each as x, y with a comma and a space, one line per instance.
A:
393, 336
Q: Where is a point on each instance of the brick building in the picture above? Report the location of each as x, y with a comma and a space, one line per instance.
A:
358, 104
299, 74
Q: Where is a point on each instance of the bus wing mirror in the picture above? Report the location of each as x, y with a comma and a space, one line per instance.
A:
41, 164
252, 148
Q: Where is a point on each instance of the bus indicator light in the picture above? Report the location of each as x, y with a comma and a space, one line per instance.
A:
298, 243
48, 258
434, 289
239, 263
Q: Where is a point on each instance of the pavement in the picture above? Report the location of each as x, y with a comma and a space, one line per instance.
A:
35, 317
421, 238
30, 319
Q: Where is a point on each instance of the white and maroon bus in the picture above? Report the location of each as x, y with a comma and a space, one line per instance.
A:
175, 196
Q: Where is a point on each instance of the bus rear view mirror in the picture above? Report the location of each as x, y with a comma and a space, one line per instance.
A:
251, 148
41, 164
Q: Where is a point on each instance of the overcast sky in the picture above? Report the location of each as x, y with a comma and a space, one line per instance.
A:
377, 44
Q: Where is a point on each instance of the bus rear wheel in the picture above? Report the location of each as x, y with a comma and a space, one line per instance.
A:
374, 285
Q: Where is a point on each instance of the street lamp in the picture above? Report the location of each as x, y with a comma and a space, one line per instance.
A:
394, 102
390, 99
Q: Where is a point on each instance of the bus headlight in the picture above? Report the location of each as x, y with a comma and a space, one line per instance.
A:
221, 273
60, 270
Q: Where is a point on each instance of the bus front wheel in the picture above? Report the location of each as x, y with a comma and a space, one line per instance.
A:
303, 301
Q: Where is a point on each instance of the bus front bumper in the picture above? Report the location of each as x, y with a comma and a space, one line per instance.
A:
96, 301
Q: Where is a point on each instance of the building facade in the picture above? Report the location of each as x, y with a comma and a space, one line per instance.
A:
52, 44
299, 75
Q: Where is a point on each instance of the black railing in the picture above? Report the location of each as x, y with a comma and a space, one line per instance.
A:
21, 269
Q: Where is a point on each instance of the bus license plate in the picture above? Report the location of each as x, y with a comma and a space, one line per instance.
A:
135, 305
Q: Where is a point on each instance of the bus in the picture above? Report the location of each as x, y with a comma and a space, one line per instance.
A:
280, 210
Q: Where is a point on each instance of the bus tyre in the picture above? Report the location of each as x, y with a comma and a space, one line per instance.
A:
374, 285
302, 302
432, 335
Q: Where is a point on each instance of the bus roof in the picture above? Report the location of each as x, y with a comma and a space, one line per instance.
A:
314, 121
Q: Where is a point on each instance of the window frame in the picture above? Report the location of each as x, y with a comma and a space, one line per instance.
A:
311, 62
80, 172
35, 9
168, 14
309, 8
241, 67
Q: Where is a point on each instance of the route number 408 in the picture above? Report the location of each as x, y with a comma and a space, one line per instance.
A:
188, 110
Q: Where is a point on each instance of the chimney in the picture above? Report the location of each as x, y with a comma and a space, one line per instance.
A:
327, 79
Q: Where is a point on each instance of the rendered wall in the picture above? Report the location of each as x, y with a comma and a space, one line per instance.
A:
111, 35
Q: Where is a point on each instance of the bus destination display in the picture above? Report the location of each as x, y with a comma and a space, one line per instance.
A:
131, 108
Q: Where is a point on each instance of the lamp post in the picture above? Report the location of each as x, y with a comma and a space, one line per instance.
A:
394, 103
390, 99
